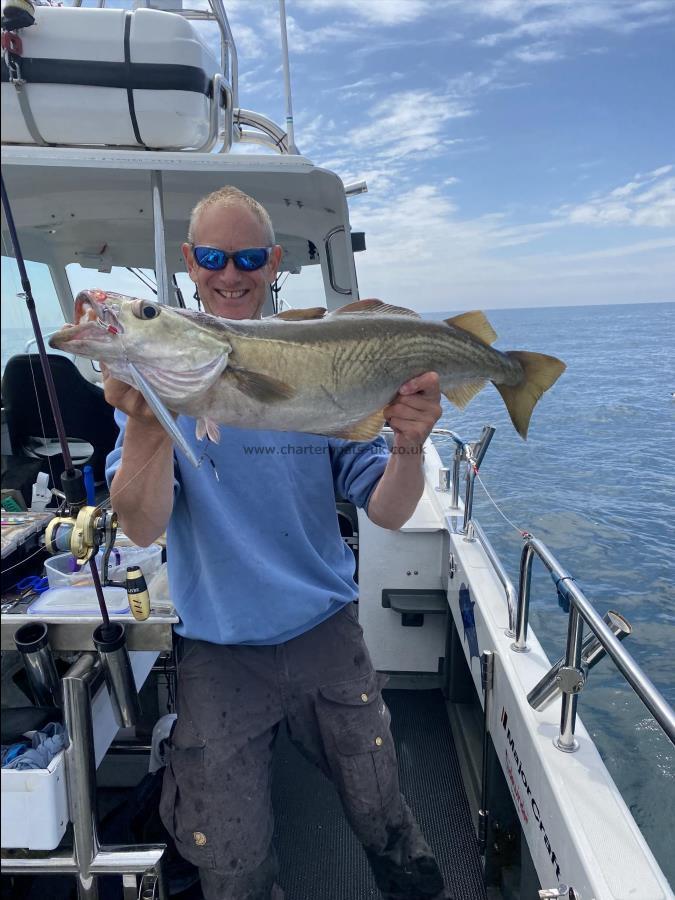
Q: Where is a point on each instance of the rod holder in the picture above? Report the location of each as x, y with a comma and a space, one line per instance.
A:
549, 688
110, 641
475, 458
32, 642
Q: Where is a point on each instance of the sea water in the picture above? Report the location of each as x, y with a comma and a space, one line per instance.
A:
596, 482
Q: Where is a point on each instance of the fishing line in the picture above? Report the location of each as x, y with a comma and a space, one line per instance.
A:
21, 562
142, 278
520, 531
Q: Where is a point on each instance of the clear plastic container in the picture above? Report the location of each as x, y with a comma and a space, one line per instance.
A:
59, 569
74, 601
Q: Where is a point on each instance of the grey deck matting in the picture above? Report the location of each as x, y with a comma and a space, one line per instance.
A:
319, 856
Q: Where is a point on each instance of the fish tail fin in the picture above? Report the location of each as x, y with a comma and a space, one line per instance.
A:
541, 372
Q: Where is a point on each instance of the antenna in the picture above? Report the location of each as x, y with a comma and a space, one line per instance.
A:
287, 78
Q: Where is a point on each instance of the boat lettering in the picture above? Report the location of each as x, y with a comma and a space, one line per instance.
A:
520, 801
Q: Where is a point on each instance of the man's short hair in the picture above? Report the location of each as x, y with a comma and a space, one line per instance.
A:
232, 196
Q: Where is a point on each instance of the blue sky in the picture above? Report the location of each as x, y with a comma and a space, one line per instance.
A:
517, 152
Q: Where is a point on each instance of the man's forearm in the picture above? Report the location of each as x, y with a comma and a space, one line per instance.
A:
399, 489
142, 489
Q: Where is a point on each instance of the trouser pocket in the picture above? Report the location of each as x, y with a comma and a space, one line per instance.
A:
355, 727
182, 804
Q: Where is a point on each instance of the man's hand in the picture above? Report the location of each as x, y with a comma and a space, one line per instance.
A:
127, 399
414, 411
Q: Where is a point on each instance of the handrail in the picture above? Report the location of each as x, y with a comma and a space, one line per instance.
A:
500, 572
572, 677
272, 134
329, 261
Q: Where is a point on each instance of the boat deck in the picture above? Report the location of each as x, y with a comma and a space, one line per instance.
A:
319, 855
320, 859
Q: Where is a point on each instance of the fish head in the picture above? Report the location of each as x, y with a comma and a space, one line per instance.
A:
113, 327
180, 357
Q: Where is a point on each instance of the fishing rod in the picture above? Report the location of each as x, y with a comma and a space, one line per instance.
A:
77, 529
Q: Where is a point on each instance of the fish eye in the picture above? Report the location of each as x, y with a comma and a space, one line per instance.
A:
143, 309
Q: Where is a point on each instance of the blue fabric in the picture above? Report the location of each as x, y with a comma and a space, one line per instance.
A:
256, 557
45, 745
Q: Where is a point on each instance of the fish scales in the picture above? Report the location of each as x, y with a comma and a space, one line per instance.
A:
300, 370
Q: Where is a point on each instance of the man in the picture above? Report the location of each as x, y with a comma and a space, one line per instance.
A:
263, 584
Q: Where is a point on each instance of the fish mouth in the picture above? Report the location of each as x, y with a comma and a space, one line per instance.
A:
96, 320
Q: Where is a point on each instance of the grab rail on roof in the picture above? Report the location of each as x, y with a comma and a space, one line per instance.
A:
260, 129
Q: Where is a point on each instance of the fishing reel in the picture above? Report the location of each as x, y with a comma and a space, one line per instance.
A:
82, 529
82, 533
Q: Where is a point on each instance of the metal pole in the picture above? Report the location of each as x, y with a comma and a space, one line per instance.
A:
523, 610
161, 270
475, 458
456, 466
568, 712
81, 770
287, 78
487, 665
548, 689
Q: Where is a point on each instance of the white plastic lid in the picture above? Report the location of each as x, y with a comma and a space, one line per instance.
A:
78, 601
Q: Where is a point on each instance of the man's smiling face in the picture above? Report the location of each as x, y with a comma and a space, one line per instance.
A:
230, 292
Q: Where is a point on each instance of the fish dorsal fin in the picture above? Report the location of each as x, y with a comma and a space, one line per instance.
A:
464, 393
260, 387
475, 324
375, 307
364, 430
299, 315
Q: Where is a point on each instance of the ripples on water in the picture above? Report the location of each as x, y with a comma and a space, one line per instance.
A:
596, 482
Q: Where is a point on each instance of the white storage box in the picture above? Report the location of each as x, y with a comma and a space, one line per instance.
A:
34, 806
111, 77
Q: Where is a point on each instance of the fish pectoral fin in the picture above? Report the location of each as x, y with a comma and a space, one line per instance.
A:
463, 393
299, 315
174, 384
375, 307
260, 387
475, 324
363, 430
540, 373
206, 426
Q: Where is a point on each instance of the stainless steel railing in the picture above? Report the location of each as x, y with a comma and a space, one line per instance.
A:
473, 454
571, 676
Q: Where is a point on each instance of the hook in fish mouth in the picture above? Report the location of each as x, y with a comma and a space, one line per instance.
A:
96, 306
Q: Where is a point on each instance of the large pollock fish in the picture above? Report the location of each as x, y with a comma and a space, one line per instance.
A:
301, 370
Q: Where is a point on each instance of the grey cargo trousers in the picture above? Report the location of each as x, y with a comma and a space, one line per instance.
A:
216, 798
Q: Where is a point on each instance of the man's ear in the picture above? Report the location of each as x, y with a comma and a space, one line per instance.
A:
275, 260
186, 250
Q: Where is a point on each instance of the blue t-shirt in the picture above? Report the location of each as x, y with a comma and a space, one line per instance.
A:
255, 555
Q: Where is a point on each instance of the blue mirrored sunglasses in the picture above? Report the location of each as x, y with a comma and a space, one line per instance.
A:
248, 260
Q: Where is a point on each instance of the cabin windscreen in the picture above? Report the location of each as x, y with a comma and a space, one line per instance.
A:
17, 330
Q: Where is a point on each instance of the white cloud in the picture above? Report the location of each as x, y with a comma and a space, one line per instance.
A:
647, 201
409, 123
391, 12
538, 52
447, 261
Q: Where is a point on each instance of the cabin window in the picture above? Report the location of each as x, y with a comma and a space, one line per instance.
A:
118, 279
17, 330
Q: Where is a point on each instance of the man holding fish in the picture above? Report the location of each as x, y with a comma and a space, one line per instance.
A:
263, 584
